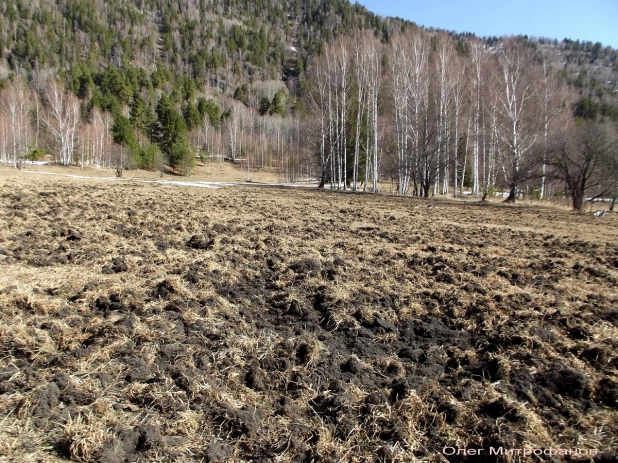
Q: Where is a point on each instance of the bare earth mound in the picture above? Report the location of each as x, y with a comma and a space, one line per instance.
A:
141, 322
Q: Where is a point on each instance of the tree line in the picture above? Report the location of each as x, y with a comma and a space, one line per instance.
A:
46, 117
435, 120
415, 112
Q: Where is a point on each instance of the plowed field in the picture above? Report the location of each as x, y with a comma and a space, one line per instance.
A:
144, 322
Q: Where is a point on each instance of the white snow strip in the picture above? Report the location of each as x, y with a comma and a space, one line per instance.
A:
196, 184
213, 185
309, 183
28, 163
72, 175
300, 185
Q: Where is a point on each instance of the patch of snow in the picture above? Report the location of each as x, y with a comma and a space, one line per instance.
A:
73, 175
213, 185
162, 182
28, 163
300, 185
305, 183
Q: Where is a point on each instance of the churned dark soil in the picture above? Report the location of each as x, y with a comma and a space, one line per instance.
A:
142, 322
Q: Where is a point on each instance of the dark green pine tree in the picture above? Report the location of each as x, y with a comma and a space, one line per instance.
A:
192, 116
241, 93
210, 109
277, 105
137, 114
124, 134
172, 137
264, 106
150, 121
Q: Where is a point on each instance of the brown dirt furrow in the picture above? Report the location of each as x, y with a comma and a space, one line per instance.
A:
143, 322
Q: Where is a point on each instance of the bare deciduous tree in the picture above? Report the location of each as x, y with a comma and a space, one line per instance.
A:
61, 120
374, 71
232, 128
318, 99
360, 67
553, 96
401, 75
576, 157
610, 179
459, 98
119, 157
520, 125
17, 105
443, 97
479, 60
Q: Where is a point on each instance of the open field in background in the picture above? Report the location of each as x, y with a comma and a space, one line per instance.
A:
146, 322
227, 172
206, 172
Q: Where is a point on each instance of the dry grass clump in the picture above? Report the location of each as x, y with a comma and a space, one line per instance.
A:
161, 323
85, 436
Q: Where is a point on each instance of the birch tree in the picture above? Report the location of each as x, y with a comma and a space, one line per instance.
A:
96, 139
318, 99
519, 126
401, 74
422, 123
553, 98
459, 93
16, 104
374, 67
232, 129
409, 89
479, 59
444, 88
337, 60
361, 99
344, 74
61, 120
490, 129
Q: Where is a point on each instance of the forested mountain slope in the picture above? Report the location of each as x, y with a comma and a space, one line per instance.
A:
216, 42
224, 42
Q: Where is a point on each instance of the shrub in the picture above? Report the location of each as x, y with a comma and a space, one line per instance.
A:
35, 154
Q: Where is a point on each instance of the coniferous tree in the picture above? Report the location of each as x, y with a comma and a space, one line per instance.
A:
209, 109
124, 134
192, 116
172, 136
264, 106
277, 106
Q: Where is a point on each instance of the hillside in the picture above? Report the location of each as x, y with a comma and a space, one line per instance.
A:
224, 44
217, 43
591, 68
